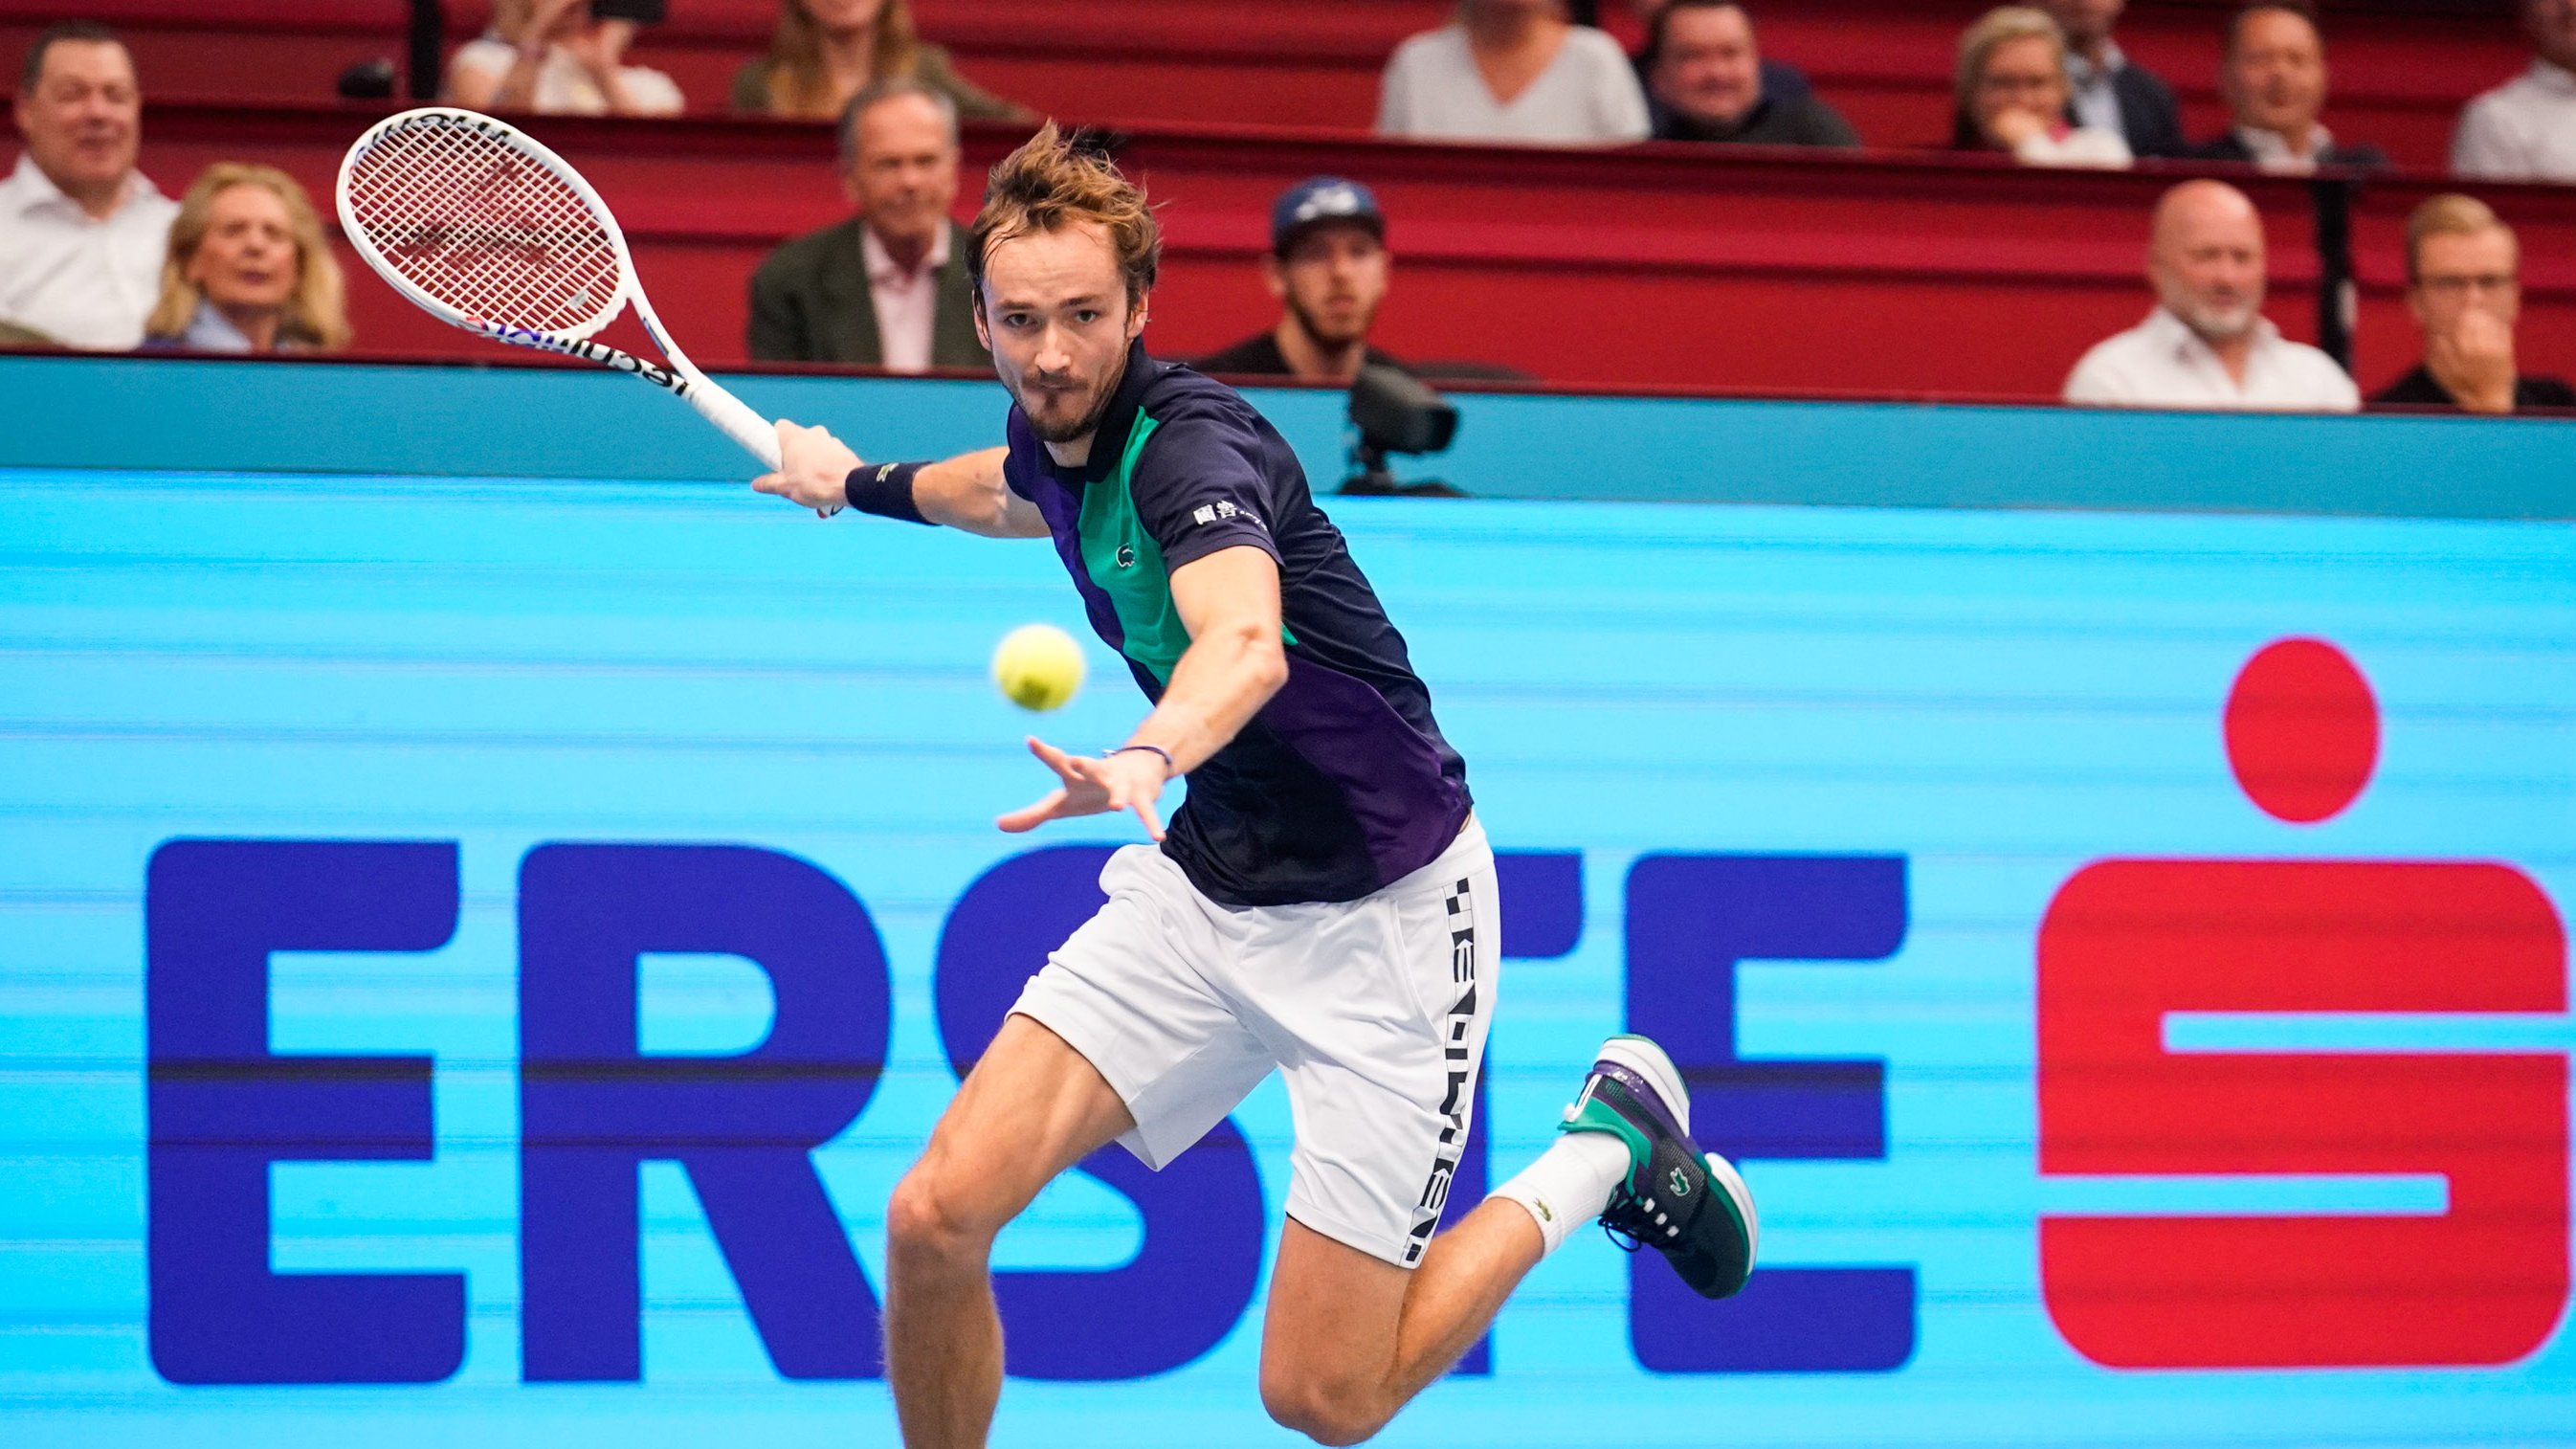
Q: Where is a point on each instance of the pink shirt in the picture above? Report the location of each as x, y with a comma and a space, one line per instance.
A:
907, 303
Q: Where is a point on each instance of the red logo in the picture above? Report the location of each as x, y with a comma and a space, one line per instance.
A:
2128, 941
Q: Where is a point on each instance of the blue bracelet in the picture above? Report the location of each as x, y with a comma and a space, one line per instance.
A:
1170, 768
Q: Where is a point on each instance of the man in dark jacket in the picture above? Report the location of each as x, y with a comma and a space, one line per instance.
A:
1705, 81
2464, 285
888, 287
2274, 79
2112, 92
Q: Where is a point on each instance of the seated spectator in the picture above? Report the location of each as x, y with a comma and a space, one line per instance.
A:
81, 231
2207, 344
1512, 70
551, 57
2464, 285
1705, 83
2112, 92
887, 288
2274, 80
827, 51
1328, 268
2012, 91
249, 269
2525, 129
1780, 80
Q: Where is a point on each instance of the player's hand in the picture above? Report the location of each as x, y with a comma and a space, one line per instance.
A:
1132, 780
814, 466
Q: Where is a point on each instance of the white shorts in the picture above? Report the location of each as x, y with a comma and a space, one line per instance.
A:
1375, 1009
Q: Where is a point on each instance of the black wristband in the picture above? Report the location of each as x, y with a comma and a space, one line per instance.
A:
884, 489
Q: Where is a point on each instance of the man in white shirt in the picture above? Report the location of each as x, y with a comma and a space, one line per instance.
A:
2525, 130
82, 233
2207, 344
888, 287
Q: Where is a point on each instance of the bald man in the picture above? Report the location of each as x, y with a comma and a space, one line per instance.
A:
2207, 344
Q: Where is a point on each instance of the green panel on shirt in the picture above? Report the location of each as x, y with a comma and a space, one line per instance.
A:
1127, 565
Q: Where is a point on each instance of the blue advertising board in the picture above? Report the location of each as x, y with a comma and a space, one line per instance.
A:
478, 954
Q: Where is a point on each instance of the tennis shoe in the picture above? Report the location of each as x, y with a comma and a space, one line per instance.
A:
1689, 1205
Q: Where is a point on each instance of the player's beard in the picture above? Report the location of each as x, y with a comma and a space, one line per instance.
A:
1080, 425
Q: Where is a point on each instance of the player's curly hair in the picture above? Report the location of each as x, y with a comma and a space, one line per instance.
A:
1055, 181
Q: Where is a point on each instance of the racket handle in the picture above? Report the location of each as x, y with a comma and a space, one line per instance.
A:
757, 435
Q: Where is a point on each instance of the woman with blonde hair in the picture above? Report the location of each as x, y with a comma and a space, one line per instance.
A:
2012, 91
826, 51
551, 57
248, 269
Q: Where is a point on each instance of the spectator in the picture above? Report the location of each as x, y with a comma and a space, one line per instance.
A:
2274, 81
1328, 268
1780, 80
2207, 344
2012, 92
2525, 129
249, 269
887, 288
2464, 285
1705, 83
550, 57
81, 231
2112, 92
827, 51
1512, 70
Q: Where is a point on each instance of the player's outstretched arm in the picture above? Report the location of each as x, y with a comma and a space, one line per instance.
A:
1229, 601
966, 492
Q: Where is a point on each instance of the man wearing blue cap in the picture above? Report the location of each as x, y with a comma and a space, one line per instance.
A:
1328, 268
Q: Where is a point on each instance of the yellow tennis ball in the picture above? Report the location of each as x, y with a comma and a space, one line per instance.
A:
1038, 666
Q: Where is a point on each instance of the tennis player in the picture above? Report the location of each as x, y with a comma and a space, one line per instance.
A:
1323, 904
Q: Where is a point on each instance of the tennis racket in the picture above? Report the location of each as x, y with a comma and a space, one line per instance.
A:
484, 228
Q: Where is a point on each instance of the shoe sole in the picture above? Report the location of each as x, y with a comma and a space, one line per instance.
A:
1650, 1062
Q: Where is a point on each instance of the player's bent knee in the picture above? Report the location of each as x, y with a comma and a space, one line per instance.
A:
1326, 1413
931, 1215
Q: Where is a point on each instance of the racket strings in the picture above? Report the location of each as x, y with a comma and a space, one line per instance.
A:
488, 231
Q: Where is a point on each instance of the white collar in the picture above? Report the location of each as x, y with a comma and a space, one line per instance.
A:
881, 263
37, 190
2173, 334
2272, 152
2084, 72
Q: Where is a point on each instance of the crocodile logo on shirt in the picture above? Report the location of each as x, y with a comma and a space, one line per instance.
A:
1126, 555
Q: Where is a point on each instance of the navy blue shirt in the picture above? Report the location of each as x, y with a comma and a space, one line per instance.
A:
1342, 783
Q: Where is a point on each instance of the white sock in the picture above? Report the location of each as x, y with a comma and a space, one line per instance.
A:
1569, 1184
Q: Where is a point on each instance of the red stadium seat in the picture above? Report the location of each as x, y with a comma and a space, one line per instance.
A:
1661, 267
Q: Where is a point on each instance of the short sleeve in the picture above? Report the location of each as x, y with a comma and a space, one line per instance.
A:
1202, 486
1395, 94
2480, 149
1622, 104
654, 93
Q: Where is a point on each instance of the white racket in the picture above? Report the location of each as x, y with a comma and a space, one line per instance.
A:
484, 228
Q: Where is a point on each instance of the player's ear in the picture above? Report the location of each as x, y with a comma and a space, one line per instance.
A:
1136, 315
983, 329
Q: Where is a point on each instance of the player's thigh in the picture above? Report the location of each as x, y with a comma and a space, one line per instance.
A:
1031, 1108
1331, 1326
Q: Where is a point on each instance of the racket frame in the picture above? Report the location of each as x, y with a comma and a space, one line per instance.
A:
681, 378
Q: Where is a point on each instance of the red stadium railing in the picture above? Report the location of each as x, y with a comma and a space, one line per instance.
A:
1658, 266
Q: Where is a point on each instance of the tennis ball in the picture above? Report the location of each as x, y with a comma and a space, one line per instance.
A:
1038, 666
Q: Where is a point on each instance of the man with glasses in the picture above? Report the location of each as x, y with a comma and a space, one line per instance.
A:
2463, 272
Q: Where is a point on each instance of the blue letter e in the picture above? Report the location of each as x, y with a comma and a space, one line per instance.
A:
221, 1108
